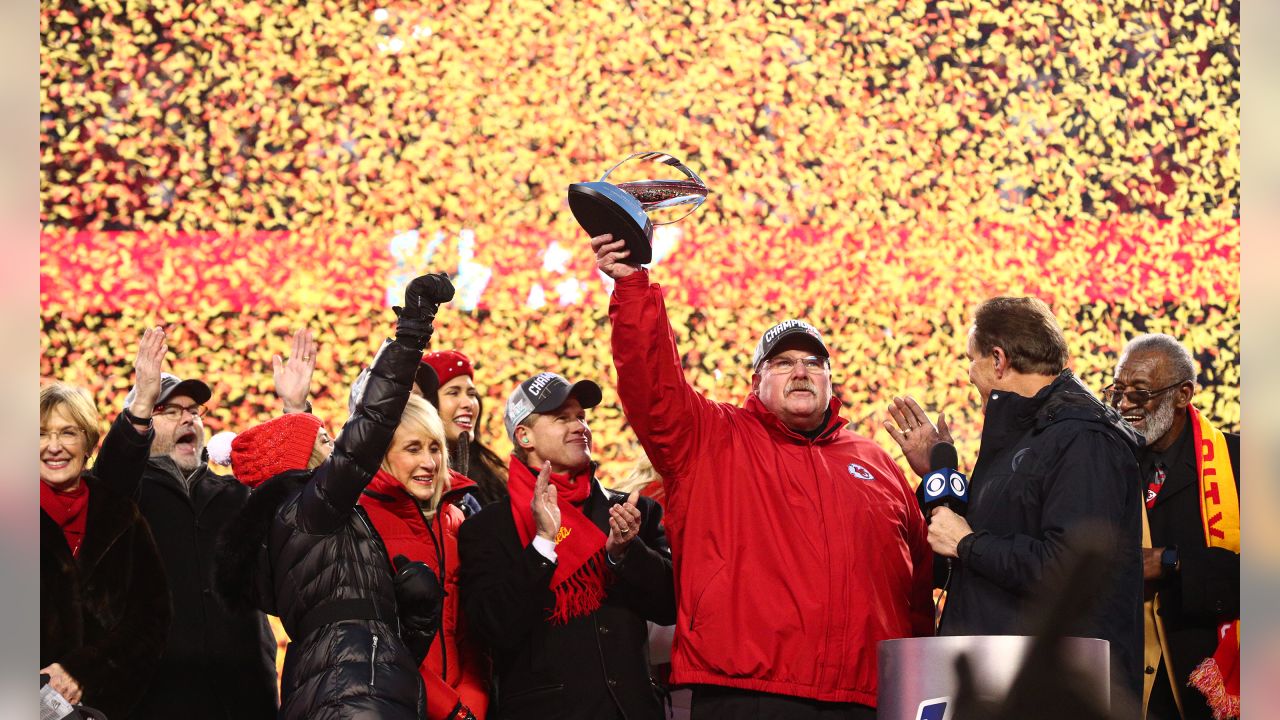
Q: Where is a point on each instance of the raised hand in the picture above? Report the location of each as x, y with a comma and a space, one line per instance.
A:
611, 256
911, 428
293, 377
146, 372
427, 291
624, 526
421, 301
546, 510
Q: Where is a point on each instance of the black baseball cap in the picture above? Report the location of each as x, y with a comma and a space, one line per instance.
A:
172, 385
774, 336
545, 392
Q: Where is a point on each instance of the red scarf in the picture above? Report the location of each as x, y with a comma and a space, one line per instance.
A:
69, 510
399, 521
579, 580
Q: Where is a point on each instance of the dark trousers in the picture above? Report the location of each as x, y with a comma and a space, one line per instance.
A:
1162, 706
713, 702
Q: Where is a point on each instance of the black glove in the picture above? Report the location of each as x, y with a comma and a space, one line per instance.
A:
419, 602
421, 300
468, 504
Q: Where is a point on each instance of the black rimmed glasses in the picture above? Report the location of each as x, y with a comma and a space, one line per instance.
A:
173, 411
1112, 393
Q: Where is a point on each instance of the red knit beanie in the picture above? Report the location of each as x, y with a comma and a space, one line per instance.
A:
284, 443
448, 365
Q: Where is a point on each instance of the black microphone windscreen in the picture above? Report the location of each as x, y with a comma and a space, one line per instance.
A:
943, 455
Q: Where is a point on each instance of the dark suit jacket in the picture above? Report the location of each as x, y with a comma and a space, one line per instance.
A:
595, 666
1206, 590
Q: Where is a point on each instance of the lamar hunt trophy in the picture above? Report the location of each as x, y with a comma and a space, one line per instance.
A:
622, 208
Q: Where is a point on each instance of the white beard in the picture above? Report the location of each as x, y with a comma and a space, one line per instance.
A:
1159, 422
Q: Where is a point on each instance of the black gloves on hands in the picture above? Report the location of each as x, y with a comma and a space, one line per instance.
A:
421, 300
419, 600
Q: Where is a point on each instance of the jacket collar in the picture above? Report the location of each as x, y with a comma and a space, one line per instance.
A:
776, 427
1010, 415
109, 516
204, 485
459, 485
1181, 453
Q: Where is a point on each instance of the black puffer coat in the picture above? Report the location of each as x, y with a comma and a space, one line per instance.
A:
325, 572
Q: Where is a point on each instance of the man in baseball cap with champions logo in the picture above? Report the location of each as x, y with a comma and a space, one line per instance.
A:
798, 544
560, 581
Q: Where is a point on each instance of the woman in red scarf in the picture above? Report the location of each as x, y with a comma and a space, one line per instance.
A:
104, 603
403, 501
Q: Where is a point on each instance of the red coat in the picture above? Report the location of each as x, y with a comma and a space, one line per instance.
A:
397, 519
793, 557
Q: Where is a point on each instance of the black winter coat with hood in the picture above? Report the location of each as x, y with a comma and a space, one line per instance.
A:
303, 550
1051, 469
218, 664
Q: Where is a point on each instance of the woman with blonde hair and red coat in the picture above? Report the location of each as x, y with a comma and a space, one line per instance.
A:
404, 502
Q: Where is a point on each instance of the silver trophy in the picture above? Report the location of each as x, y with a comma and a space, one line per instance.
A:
623, 208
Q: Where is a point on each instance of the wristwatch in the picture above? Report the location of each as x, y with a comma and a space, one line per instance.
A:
134, 419
1169, 562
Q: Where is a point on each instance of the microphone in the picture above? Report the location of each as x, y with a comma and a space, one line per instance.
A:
944, 486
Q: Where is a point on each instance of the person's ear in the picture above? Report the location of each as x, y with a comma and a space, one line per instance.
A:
522, 437
1001, 361
1183, 395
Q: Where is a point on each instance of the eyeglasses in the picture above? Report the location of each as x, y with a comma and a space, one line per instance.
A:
65, 436
813, 365
173, 411
1112, 393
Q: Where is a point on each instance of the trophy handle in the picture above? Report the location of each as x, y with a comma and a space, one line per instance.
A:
654, 194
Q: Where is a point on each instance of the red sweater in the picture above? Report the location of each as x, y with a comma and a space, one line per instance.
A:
396, 517
793, 557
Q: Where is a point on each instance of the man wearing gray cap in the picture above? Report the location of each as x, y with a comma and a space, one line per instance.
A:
217, 663
798, 544
560, 581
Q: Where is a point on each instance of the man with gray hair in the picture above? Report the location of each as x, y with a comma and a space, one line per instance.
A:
798, 544
1191, 555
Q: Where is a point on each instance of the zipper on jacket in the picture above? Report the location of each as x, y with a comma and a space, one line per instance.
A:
373, 659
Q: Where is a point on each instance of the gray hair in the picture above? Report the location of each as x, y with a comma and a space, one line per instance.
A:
1177, 355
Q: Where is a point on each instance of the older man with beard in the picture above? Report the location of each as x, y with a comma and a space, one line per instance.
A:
217, 663
797, 544
1192, 554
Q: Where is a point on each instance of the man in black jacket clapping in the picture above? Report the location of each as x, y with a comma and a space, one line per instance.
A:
559, 581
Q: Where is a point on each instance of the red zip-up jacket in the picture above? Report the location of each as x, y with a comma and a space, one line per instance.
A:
793, 557
397, 519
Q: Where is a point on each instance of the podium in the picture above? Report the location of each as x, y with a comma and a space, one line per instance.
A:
918, 675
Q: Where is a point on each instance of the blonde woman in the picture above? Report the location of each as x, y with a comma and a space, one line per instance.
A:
104, 602
403, 502
304, 549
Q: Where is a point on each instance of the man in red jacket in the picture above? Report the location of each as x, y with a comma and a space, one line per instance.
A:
797, 544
